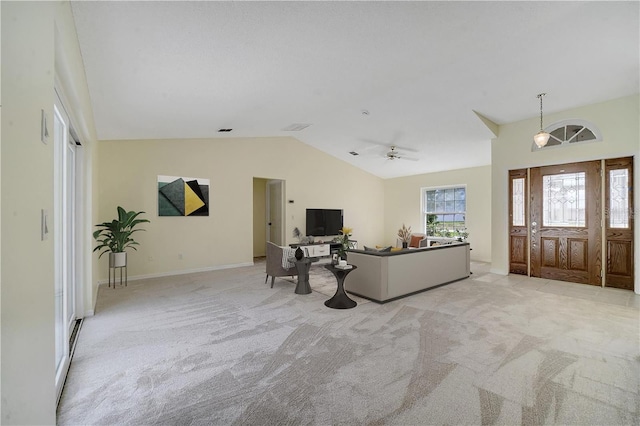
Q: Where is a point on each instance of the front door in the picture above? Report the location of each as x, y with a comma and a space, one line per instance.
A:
565, 222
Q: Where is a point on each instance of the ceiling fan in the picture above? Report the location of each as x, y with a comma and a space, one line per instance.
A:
393, 154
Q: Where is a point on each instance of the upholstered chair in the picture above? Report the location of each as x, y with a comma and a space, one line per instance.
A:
279, 263
417, 240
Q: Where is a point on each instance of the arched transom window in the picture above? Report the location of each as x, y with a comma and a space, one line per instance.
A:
567, 132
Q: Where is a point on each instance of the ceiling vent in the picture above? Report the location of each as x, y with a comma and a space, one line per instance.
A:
353, 153
224, 130
296, 127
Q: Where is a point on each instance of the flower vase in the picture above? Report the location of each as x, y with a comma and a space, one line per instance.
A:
405, 244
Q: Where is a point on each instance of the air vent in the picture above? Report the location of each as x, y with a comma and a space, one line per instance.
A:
224, 130
296, 127
353, 153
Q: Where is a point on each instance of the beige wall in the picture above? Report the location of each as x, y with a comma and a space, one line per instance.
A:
402, 205
38, 44
618, 121
225, 237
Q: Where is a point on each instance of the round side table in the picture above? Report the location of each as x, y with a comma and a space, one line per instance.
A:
340, 300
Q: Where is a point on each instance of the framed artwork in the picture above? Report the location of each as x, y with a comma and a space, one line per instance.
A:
183, 196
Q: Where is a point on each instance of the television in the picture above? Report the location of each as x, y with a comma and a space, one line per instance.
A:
323, 222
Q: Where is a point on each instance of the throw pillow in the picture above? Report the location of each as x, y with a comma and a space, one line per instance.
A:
369, 249
288, 254
385, 250
415, 241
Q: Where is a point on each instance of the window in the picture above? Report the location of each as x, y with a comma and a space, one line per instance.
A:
518, 202
619, 198
563, 200
569, 132
444, 212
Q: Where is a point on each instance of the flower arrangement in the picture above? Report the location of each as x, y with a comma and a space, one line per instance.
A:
345, 233
404, 234
297, 234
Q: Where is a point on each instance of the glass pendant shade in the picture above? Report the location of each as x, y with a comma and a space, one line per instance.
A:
541, 138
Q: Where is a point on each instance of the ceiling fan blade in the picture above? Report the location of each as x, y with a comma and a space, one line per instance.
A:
387, 145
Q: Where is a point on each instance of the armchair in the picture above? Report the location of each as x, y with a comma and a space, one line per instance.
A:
275, 263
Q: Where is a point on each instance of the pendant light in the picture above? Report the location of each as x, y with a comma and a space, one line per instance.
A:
541, 138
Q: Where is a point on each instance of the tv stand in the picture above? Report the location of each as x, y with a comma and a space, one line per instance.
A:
318, 249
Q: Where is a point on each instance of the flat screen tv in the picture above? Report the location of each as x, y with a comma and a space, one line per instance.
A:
324, 222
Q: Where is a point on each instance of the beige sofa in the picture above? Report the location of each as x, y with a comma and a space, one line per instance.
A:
383, 277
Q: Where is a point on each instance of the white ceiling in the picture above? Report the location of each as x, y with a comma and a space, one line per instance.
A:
186, 69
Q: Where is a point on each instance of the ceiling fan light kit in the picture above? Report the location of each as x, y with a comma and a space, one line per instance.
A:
541, 138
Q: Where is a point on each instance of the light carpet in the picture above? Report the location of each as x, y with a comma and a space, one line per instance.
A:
222, 348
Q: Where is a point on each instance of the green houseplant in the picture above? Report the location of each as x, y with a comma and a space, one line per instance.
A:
343, 239
116, 236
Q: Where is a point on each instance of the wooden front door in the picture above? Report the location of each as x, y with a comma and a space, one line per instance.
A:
565, 222
619, 222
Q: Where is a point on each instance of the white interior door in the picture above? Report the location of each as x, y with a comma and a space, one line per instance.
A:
275, 212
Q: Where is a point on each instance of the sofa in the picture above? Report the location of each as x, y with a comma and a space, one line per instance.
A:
386, 276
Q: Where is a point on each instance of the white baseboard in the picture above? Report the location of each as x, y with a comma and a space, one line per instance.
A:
182, 272
498, 271
89, 313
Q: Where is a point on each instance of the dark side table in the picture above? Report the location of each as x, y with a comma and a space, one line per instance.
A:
302, 266
340, 300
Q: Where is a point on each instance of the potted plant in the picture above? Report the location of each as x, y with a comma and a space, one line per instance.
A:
343, 239
404, 234
115, 237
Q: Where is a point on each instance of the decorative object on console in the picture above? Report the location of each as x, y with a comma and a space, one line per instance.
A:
404, 234
299, 253
461, 234
345, 233
297, 234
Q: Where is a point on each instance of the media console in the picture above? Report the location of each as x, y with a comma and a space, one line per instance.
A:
317, 249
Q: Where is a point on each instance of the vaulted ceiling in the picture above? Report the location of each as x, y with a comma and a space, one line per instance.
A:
363, 75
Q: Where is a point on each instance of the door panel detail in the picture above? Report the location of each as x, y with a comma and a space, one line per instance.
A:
619, 257
578, 254
550, 252
519, 250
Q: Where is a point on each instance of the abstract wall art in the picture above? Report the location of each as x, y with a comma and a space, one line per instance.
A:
183, 196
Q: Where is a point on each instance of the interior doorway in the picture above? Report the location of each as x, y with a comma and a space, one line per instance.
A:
564, 217
268, 214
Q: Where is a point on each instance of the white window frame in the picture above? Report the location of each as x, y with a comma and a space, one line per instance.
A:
423, 205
